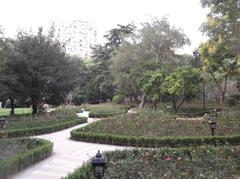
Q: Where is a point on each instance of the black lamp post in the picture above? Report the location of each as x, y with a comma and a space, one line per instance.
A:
2, 122
99, 164
213, 121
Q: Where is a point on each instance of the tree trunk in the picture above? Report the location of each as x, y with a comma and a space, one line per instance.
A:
11, 103
204, 97
142, 101
34, 105
223, 92
174, 102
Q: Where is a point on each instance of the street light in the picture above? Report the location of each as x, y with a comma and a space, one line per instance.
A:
99, 164
2, 122
213, 121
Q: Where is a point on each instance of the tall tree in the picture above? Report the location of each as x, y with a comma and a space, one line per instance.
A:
160, 40
42, 67
221, 54
8, 78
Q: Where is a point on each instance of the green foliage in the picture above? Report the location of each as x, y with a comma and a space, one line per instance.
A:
17, 126
200, 162
233, 100
220, 54
105, 110
29, 151
157, 129
37, 129
183, 82
118, 99
151, 85
144, 141
160, 124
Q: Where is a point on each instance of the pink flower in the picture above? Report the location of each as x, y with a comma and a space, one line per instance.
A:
168, 158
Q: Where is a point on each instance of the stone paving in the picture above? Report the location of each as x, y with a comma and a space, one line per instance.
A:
67, 155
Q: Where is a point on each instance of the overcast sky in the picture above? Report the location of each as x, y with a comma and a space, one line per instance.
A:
106, 14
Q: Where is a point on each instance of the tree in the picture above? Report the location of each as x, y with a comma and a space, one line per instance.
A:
8, 78
220, 63
42, 68
117, 36
160, 40
100, 83
181, 84
151, 86
152, 49
221, 54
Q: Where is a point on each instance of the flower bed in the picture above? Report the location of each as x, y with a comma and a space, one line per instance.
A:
156, 130
105, 110
200, 162
16, 154
19, 126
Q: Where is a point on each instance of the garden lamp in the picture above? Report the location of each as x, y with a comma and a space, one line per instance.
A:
213, 122
99, 164
2, 122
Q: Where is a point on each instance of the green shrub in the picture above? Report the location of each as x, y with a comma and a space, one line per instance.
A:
143, 141
41, 130
18, 161
233, 100
118, 99
191, 162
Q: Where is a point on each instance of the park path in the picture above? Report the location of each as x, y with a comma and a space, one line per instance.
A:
67, 155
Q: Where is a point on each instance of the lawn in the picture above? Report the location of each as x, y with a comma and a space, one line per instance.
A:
159, 124
201, 162
6, 111
29, 121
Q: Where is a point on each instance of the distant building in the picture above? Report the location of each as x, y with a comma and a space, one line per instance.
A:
78, 35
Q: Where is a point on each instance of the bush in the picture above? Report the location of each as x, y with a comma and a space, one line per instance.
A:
104, 110
233, 100
118, 99
78, 99
18, 161
41, 130
191, 162
143, 141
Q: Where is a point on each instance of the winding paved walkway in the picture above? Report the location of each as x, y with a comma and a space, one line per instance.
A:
67, 155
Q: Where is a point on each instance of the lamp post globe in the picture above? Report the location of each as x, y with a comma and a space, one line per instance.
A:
2, 122
99, 164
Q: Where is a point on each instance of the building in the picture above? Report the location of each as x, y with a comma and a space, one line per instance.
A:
78, 36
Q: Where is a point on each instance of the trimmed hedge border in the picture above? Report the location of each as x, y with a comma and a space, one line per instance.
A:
93, 114
19, 161
77, 134
41, 130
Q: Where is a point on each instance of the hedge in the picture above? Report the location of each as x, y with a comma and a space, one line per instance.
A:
142, 141
41, 130
85, 172
21, 160
101, 114
182, 162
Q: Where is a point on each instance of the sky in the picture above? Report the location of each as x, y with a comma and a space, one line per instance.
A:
106, 14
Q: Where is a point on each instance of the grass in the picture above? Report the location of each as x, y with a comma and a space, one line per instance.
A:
157, 124
21, 122
200, 162
18, 111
